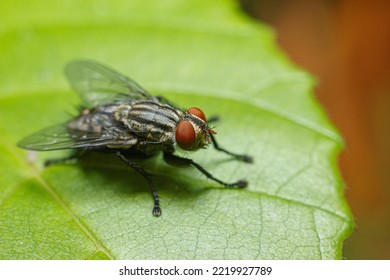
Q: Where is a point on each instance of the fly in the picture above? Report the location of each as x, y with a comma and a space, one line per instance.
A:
121, 117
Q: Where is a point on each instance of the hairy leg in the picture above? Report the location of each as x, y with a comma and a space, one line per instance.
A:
156, 208
74, 157
180, 161
244, 158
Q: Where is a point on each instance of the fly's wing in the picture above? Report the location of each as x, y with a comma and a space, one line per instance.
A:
59, 137
164, 100
98, 84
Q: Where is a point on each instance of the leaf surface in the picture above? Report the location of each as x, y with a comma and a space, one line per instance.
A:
197, 53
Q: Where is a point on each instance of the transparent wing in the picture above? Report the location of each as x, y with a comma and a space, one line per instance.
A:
59, 137
98, 84
164, 100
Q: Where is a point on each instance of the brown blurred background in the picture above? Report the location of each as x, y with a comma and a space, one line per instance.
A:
346, 44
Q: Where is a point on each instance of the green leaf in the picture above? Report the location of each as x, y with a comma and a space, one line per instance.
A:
198, 53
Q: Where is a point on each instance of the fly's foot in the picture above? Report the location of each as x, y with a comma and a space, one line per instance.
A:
242, 183
156, 211
239, 184
244, 158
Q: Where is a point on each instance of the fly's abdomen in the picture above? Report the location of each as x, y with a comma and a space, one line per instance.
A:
94, 120
149, 119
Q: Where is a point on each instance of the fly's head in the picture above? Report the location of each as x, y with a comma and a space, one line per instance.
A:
192, 132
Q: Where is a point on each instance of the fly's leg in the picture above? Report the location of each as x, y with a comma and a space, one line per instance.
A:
74, 157
172, 159
244, 158
214, 118
156, 208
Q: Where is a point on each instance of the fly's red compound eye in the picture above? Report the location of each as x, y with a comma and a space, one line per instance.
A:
185, 135
197, 112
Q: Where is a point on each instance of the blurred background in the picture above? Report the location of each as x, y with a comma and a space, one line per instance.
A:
346, 44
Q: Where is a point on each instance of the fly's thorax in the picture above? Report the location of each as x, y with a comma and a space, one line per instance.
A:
151, 120
193, 131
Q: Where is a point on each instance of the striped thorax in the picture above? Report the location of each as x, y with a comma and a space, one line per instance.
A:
160, 123
150, 119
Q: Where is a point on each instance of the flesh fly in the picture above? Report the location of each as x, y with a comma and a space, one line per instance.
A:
121, 117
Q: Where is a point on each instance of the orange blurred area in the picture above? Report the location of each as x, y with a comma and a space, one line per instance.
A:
346, 44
